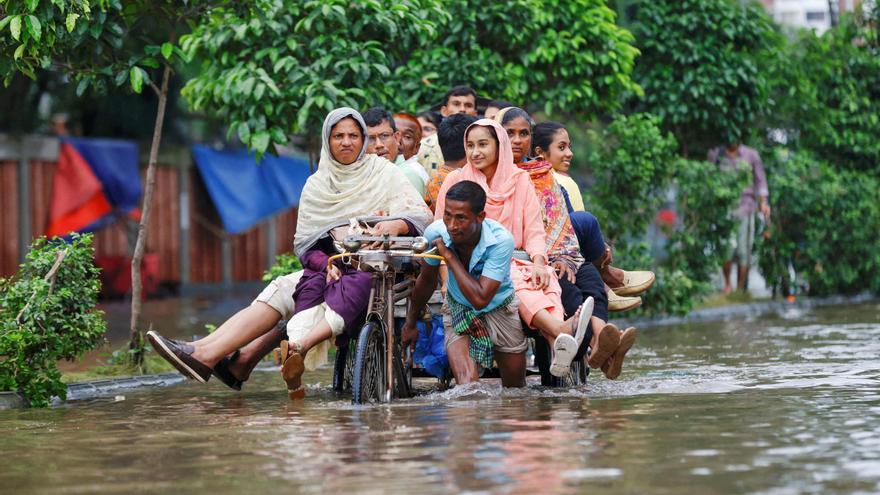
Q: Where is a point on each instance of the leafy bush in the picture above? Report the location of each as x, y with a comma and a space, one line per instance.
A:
825, 224
631, 162
697, 247
285, 264
47, 313
700, 67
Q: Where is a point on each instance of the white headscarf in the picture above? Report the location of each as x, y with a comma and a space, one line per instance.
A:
369, 187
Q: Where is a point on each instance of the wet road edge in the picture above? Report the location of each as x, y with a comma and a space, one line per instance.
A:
733, 311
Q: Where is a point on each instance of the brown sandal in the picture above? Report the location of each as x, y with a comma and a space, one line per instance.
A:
614, 365
292, 369
606, 343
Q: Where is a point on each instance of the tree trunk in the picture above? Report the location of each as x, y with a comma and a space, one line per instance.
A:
136, 342
832, 14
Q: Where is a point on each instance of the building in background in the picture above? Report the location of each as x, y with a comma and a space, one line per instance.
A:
818, 15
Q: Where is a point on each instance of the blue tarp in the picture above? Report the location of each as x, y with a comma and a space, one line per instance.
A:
115, 163
96, 182
245, 192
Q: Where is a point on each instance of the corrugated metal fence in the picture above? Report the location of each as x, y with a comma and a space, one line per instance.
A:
190, 241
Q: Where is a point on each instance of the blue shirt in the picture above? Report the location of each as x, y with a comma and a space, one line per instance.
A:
491, 259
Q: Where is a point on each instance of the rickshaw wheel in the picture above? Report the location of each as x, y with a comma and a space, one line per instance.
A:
368, 380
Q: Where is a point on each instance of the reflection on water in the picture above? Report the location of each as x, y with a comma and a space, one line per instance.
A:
780, 405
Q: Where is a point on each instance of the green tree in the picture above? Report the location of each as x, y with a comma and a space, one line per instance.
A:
47, 313
405, 55
118, 42
277, 67
827, 98
701, 68
563, 56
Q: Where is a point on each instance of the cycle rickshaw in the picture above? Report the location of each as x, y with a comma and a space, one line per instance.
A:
373, 364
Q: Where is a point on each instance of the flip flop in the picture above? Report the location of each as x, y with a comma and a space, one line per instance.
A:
221, 371
606, 343
614, 365
292, 370
564, 349
583, 320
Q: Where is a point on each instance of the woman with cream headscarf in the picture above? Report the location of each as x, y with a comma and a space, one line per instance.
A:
348, 184
511, 201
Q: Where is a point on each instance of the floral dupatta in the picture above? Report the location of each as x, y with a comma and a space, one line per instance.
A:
562, 243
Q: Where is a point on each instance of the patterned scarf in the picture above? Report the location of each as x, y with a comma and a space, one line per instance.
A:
562, 242
467, 322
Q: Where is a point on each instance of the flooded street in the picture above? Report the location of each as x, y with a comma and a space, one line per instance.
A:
784, 404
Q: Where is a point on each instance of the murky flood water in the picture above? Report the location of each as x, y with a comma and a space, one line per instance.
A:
782, 404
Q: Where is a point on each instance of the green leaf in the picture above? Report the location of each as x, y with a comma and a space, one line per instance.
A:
34, 27
81, 86
32, 5
150, 62
278, 135
70, 22
260, 141
167, 50
244, 132
136, 75
15, 27
6, 20
121, 77
18, 52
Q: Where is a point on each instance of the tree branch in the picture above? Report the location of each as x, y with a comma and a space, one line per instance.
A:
50, 277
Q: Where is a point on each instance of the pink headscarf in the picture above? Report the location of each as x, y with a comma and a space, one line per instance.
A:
510, 198
504, 181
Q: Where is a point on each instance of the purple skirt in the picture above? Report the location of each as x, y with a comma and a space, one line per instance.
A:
349, 296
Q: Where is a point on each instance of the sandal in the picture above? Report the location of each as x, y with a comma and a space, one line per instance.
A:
564, 349
292, 370
583, 320
221, 371
607, 342
614, 365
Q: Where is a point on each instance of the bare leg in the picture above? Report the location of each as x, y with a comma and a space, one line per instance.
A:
742, 275
598, 325
244, 327
512, 368
253, 353
464, 369
550, 327
318, 334
725, 269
